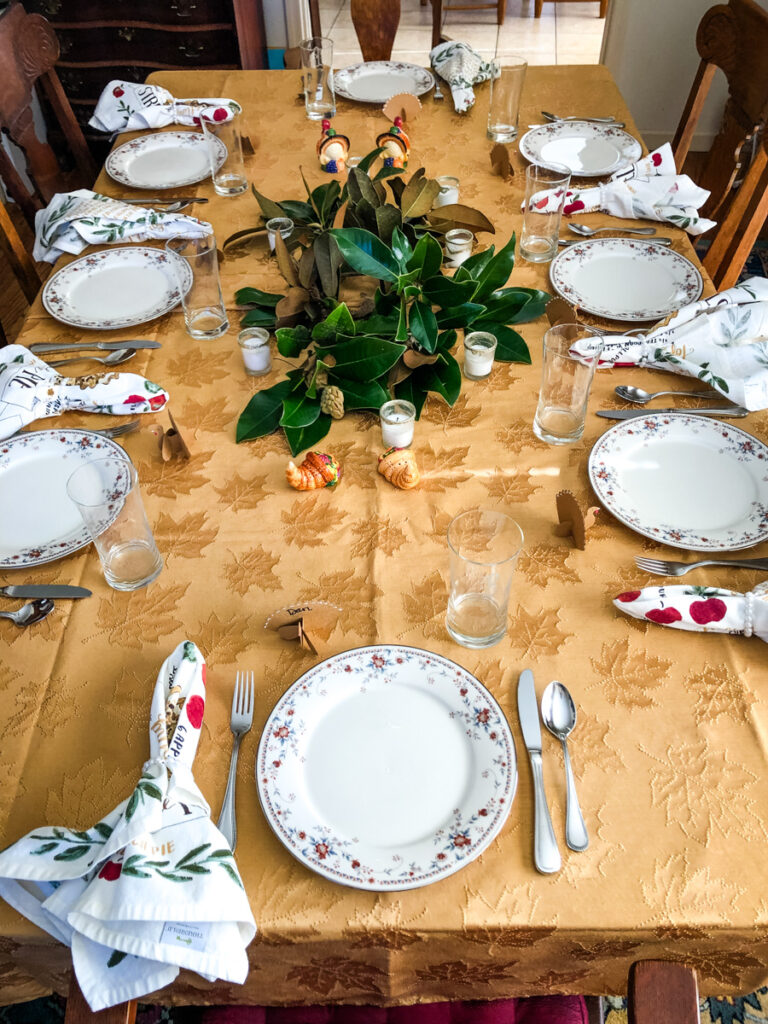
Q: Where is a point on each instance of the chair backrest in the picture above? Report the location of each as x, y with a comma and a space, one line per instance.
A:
662, 992
28, 51
20, 261
376, 24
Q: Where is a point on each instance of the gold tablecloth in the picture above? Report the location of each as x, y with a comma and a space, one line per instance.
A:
671, 746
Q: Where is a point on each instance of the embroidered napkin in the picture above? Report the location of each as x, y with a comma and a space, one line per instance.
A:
31, 389
722, 340
700, 609
126, 107
461, 68
649, 189
153, 886
74, 220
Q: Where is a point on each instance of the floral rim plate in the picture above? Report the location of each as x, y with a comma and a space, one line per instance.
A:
164, 160
386, 768
35, 466
379, 80
589, 150
116, 288
685, 480
625, 278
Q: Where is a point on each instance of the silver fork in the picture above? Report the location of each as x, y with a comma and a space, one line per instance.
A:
119, 431
660, 567
437, 94
240, 723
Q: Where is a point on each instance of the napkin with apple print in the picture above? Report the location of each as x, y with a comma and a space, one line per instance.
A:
153, 886
700, 609
128, 106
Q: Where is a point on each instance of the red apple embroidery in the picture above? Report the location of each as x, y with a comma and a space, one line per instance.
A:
111, 871
711, 610
541, 203
220, 114
656, 159
118, 92
157, 402
195, 708
629, 595
664, 615
573, 207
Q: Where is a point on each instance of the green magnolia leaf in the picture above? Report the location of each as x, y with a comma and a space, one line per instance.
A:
366, 215
398, 187
444, 377
510, 347
388, 220
366, 254
242, 234
337, 322
446, 340
360, 186
503, 308
475, 264
258, 318
369, 158
378, 324
418, 196
300, 438
411, 391
256, 297
460, 316
291, 341
299, 410
534, 307
330, 202
385, 303
387, 172
496, 272
401, 247
360, 394
318, 379
427, 257
269, 207
404, 283
423, 325
328, 260
448, 292
364, 358
299, 213
401, 334
261, 416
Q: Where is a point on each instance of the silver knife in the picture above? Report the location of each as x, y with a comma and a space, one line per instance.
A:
546, 855
658, 240
44, 590
85, 346
728, 411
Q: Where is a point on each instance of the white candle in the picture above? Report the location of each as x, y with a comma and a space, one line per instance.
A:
449, 191
397, 423
284, 225
254, 347
479, 350
458, 246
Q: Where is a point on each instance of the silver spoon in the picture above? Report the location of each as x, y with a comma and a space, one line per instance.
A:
582, 229
574, 117
120, 355
558, 713
640, 397
31, 612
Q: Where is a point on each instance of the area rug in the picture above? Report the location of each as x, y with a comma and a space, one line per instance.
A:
751, 1009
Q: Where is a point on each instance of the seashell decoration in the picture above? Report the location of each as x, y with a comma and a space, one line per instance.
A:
316, 471
398, 465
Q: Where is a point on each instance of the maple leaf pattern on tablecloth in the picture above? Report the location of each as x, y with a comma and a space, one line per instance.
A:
185, 537
127, 705
358, 464
533, 634
507, 938
253, 568
310, 519
628, 675
178, 476
545, 562
594, 736
441, 471
467, 972
350, 591
376, 534
719, 691
199, 363
425, 605
516, 436
490, 673
460, 414
221, 639
211, 417
79, 796
137, 617
510, 484
332, 972
239, 492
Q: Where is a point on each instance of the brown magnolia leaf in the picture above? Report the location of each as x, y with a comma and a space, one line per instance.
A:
462, 217
398, 373
418, 197
500, 161
289, 268
364, 308
290, 306
306, 268
414, 359
338, 220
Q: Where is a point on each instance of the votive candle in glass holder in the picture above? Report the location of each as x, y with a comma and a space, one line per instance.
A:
479, 350
458, 246
449, 191
278, 225
255, 350
353, 161
398, 418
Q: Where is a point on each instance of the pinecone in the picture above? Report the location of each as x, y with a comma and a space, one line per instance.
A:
332, 401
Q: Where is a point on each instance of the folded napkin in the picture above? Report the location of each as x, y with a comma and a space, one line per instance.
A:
31, 389
722, 340
127, 107
153, 886
74, 220
649, 189
700, 609
461, 68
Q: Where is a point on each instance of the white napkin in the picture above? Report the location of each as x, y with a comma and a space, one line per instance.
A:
31, 389
126, 107
647, 190
153, 886
74, 220
700, 609
461, 68
722, 340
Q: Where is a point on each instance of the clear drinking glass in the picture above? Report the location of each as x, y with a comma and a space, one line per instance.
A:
541, 224
506, 87
317, 69
225, 140
106, 492
484, 548
566, 377
204, 312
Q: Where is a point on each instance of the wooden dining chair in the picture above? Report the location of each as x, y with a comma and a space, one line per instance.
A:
734, 38
79, 1012
28, 52
23, 272
539, 6
662, 992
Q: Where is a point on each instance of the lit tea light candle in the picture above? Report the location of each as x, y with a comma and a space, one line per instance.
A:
278, 225
449, 191
458, 246
479, 350
397, 423
255, 350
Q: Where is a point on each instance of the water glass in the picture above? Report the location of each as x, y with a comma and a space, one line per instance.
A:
204, 312
225, 141
484, 547
106, 492
541, 222
566, 377
317, 69
506, 87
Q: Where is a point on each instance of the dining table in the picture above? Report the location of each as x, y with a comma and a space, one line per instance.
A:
670, 749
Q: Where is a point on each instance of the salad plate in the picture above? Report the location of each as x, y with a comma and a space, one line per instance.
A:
586, 149
625, 278
378, 80
35, 467
386, 768
685, 480
115, 288
164, 160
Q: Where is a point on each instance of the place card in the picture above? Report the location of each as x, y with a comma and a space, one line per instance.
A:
297, 622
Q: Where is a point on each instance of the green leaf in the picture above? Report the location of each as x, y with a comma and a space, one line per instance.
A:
339, 321
269, 207
401, 247
328, 260
360, 186
369, 159
116, 957
385, 303
418, 196
404, 281
242, 234
261, 416
388, 220
365, 253
82, 835
47, 847
381, 326
460, 316
133, 802
151, 790
232, 873
448, 292
423, 326
510, 347
258, 318
300, 438
330, 202
411, 391
401, 334
226, 854
135, 873
427, 257
360, 394
502, 308
291, 341
73, 853
255, 296
496, 272
364, 358
444, 377
474, 265
387, 172
446, 340
104, 830
398, 187
299, 410
300, 213
197, 869
534, 307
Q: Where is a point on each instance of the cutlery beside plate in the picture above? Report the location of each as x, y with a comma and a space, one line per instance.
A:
661, 240
546, 855
51, 590
587, 149
88, 346
728, 412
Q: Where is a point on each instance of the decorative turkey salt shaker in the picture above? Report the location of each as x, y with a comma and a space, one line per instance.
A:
332, 149
396, 145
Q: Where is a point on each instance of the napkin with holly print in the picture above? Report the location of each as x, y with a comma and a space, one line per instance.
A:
74, 220
722, 340
461, 68
700, 609
649, 189
127, 107
153, 886
30, 389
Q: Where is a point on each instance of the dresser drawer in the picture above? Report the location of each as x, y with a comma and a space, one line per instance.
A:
148, 47
122, 12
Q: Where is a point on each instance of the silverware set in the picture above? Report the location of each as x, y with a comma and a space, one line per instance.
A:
662, 567
42, 605
659, 240
240, 722
40, 347
171, 204
628, 393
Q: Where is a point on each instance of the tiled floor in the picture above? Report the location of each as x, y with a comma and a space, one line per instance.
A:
566, 33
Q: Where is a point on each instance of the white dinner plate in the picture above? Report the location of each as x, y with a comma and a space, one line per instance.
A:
386, 768
625, 278
685, 480
164, 160
116, 288
379, 80
588, 150
38, 522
